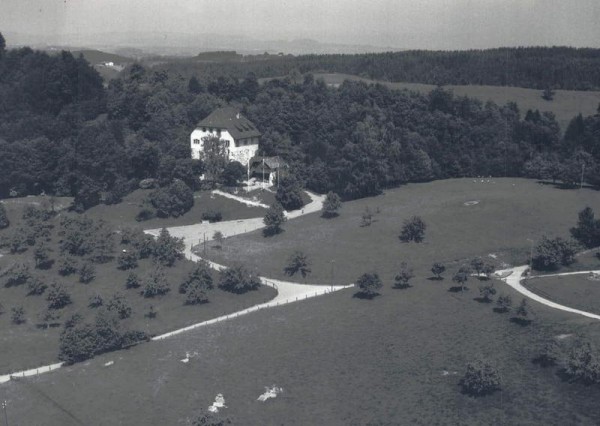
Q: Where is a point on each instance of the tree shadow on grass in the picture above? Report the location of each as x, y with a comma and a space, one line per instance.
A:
436, 278
482, 300
520, 321
367, 296
500, 310
457, 289
401, 286
270, 232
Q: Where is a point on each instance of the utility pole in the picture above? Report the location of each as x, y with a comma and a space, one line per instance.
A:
582, 170
530, 256
205, 244
332, 264
263, 174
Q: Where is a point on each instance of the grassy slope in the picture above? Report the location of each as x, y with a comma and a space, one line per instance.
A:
566, 103
509, 212
576, 291
347, 361
123, 214
25, 346
340, 361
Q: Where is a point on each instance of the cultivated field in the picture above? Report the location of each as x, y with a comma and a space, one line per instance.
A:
566, 104
396, 359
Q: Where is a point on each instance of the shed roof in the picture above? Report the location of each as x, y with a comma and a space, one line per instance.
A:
230, 119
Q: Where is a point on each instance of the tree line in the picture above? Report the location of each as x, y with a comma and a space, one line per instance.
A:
97, 143
564, 68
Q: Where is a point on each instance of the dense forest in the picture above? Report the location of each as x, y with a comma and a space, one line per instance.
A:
62, 133
532, 67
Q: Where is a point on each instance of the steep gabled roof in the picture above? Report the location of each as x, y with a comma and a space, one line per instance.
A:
230, 119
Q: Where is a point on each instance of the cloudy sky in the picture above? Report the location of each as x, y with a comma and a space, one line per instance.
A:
428, 24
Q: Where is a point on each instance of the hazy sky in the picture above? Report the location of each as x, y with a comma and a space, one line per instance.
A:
430, 24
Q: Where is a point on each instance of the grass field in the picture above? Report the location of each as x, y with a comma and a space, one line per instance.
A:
508, 212
566, 104
123, 214
393, 360
575, 291
26, 346
340, 360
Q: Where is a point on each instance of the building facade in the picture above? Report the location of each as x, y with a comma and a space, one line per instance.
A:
240, 135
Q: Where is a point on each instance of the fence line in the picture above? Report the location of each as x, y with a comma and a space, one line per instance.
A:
32, 372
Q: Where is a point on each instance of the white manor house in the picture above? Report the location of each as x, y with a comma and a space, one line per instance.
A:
239, 133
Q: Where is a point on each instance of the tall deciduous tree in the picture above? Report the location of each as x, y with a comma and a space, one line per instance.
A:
274, 219
369, 285
331, 205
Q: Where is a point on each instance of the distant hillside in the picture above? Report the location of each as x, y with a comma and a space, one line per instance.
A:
96, 57
531, 67
229, 55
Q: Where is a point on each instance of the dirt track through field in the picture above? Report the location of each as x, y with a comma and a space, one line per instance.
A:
515, 276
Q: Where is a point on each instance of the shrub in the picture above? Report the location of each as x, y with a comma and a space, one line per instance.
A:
119, 304
58, 297
168, 249
237, 280
152, 312
128, 259
36, 287
133, 281
369, 285
196, 295
16, 274
87, 273
413, 229
18, 241
95, 301
212, 216
17, 315
486, 293
146, 213
438, 269
481, 378
503, 304
582, 363
199, 277
477, 265
173, 200
67, 266
523, 313
155, 284
402, 279
41, 255
77, 343
550, 254
551, 353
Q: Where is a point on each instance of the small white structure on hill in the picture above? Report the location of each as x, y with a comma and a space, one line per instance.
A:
240, 134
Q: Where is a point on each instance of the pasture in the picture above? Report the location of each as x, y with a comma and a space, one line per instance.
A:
396, 359
508, 214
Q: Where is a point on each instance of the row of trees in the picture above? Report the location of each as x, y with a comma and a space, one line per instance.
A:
533, 67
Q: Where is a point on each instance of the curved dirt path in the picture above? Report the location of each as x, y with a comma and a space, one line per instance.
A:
515, 277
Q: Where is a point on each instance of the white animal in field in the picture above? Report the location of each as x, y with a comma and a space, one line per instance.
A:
270, 393
187, 358
219, 403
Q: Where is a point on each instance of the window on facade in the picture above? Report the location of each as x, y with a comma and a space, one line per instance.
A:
196, 141
218, 132
210, 130
204, 129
